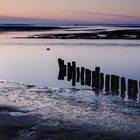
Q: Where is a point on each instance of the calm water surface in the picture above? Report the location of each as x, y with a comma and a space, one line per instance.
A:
28, 61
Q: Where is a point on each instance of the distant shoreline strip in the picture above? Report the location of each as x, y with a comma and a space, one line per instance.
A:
27, 28
115, 34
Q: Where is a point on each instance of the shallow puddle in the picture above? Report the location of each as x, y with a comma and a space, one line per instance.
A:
17, 114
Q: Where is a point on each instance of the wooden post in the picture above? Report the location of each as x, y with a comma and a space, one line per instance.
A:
123, 86
93, 79
60, 75
88, 77
107, 83
69, 71
117, 82
62, 69
60, 61
101, 81
65, 70
135, 89
97, 78
78, 74
113, 83
73, 73
130, 88
82, 75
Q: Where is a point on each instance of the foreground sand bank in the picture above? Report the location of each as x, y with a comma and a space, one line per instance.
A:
31, 113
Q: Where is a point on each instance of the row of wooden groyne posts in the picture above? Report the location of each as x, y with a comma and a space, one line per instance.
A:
98, 80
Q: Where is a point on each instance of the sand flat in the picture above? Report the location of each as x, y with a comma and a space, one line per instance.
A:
72, 112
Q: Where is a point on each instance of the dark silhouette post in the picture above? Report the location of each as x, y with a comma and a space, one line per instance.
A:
88, 77
123, 86
73, 73
117, 82
69, 71
107, 83
101, 81
60, 62
93, 79
78, 74
113, 83
97, 78
130, 88
82, 75
62, 69
135, 89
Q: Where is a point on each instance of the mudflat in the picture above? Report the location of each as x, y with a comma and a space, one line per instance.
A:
28, 112
99, 34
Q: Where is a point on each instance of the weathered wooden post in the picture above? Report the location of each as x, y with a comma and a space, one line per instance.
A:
139, 86
65, 70
60, 75
97, 78
60, 62
88, 77
62, 69
123, 86
101, 81
73, 73
62, 66
107, 83
135, 89
69, 71
93, 79
78, 74
82, 75
113, 83
117, 82
130, 88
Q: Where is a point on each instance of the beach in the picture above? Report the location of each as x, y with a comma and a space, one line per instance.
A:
69, 70
55, 113
36, 105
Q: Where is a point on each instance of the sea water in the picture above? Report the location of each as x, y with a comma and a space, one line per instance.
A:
27, 60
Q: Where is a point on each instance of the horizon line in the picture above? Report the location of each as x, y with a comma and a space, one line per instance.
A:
43, 21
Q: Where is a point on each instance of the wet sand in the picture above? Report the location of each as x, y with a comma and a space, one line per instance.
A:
28, 112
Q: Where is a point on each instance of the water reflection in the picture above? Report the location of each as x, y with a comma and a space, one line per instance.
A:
28, 61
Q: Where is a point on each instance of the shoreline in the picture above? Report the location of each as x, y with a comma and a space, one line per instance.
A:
7, 28
65, 113
115, 34
75, 32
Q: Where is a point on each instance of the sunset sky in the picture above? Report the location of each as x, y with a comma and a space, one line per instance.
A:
91, 11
